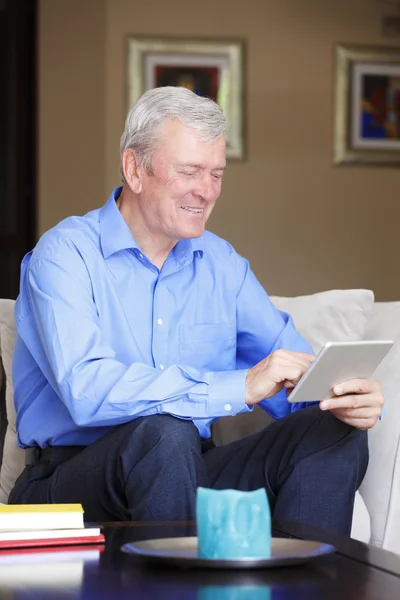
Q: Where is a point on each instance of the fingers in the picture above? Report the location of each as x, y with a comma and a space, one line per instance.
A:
291, 366
303, 357
357, 386
354, 401
292, 375
273, 373
361, 406
289, 385
286, 358
287, 372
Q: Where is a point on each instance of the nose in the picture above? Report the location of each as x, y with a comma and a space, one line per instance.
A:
206, 188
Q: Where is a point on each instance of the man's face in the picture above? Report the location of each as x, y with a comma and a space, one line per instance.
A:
177, 199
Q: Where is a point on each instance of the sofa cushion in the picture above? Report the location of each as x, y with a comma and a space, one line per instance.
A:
332, 316
335, 315
13, 456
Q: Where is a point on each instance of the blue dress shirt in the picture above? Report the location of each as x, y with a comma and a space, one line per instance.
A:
103, 336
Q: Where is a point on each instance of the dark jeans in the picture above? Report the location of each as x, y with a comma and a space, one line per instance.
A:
310, 464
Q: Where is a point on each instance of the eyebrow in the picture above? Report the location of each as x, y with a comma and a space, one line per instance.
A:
197, 166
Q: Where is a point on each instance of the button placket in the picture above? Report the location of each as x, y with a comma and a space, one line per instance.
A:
160, 329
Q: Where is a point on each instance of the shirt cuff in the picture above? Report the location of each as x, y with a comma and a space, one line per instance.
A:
227, 393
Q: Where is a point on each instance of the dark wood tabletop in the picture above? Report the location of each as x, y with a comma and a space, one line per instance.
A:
355, 571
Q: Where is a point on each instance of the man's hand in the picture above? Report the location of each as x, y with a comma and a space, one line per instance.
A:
280, 369
358, 403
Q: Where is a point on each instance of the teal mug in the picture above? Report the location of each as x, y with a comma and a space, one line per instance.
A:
233, 524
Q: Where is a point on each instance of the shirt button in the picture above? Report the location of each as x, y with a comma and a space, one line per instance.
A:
160, 321
162, 367
228, 407
141, 255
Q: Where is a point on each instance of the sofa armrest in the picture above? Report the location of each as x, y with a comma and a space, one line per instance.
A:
381, 487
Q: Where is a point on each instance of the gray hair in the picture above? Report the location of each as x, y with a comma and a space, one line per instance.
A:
201, 114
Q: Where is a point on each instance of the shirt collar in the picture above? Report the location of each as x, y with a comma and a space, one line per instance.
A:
115, 234
197, 245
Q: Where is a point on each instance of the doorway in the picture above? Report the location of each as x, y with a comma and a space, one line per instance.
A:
18, 138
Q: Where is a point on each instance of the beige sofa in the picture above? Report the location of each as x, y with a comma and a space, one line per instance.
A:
327, 316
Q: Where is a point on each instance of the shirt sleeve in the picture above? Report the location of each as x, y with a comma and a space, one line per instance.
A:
262, 329
97, 388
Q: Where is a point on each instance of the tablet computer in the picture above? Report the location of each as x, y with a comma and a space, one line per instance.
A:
338, 362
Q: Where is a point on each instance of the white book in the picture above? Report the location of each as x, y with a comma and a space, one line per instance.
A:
49, 534
41, 516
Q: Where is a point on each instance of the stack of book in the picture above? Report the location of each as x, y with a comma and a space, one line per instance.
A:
30, 525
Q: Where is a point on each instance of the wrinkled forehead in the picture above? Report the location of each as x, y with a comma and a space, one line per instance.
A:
181, 143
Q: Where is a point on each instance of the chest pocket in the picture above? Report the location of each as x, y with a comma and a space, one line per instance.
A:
208, 346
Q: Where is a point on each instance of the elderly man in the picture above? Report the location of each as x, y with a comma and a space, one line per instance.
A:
137, 329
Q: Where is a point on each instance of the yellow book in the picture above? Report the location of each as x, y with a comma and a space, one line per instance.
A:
41, 516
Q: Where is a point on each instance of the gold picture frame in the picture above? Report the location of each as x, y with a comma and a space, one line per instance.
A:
367, 105
212, 68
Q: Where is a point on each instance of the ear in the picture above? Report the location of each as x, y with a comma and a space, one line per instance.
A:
131, 170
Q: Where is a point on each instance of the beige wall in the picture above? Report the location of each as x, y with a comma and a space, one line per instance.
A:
71, 108
304, 224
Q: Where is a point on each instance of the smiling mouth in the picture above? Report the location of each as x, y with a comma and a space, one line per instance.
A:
191, 209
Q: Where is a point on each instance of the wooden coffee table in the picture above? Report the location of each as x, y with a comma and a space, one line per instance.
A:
356, 571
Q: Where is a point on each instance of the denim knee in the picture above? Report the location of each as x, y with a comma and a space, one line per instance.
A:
173, 434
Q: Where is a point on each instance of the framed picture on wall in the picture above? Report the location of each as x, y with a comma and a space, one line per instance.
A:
212, 68
367, 105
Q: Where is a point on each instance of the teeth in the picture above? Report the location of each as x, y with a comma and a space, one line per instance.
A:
192, 210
